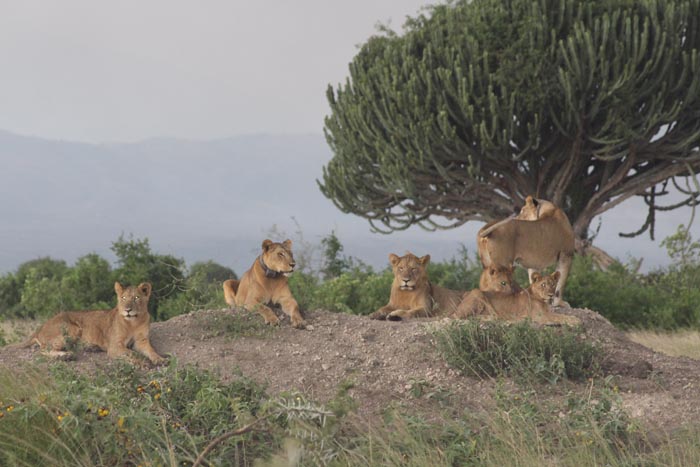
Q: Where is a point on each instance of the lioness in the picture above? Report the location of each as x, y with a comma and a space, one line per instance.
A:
533, 243
266, 282
531, 303
412, 294
111, 330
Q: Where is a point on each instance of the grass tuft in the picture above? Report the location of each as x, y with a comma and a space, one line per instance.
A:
518, 350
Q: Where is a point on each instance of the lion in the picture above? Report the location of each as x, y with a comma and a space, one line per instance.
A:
531, 303
113, 331
498, 279
412, 294
266, 282
545, 237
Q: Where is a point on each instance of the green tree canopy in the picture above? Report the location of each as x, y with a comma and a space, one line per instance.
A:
481, 103
137, 263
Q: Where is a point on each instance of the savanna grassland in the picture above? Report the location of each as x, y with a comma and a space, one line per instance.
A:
349, 390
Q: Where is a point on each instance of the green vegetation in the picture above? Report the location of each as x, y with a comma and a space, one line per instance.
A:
519, 350
181, 415
662, 299
479, 103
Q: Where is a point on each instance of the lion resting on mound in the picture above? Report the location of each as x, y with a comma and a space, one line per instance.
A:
111, 330
412, 294
531, 303
541, 237
266, 282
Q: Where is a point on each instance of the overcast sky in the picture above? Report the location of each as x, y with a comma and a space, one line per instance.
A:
86, 70
124, 71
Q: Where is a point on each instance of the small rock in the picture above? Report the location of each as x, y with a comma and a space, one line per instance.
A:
325, 367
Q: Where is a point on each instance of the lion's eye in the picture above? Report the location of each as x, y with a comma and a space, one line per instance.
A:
400, 268
281, 254
503, 283
124, 297
414, 269
136, 298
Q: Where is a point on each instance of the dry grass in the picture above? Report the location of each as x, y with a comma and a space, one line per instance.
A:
676, 344
16, 330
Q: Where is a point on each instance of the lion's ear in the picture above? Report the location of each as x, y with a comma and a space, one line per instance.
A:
287, 244
266, 244
492, 271
424, 260
118, 288
556, 275
536, 277
145, 288
393, 259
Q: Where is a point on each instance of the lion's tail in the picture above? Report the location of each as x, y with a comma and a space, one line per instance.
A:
230, 290
31, 340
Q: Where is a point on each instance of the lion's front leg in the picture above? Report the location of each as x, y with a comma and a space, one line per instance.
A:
143, 345
417, 312
291, 308
383, 312
266, 312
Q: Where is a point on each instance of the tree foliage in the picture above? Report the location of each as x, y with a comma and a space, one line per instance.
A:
481, 103
137, 263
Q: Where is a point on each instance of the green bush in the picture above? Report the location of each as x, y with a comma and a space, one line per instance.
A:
201, 289
518, 350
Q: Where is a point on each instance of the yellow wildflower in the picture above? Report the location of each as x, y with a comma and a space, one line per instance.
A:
10, 408
157, 396
103, 412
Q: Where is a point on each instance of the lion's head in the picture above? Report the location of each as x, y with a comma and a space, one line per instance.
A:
535, 209
543, 287
278, 257
132, 301
498, 279
409, 270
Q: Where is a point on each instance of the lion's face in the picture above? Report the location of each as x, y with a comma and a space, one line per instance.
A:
278, 256
543, 287
498, 279
409, 270
132, 301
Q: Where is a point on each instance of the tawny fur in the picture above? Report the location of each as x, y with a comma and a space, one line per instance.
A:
412, 295
534, 244
256, 290
531, 303
498, 279
113, 331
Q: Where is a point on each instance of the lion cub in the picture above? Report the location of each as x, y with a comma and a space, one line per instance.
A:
266, 282
412, 294
111, 330
531, 303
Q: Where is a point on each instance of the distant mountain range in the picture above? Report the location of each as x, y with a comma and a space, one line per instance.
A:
203, 200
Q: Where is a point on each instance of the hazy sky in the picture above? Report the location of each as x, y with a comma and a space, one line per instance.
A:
126, 70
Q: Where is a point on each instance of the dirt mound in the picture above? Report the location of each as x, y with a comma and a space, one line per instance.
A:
394, 362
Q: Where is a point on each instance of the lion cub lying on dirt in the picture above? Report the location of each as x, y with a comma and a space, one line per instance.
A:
531, 303
111, 330
266, 282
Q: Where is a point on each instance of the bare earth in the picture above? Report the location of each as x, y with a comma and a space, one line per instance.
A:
387, 362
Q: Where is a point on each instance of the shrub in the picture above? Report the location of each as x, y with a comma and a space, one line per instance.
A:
519, 350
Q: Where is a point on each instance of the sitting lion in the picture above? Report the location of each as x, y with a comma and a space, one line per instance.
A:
538, 237
111, 330
266, 282
531, 303
412, 294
